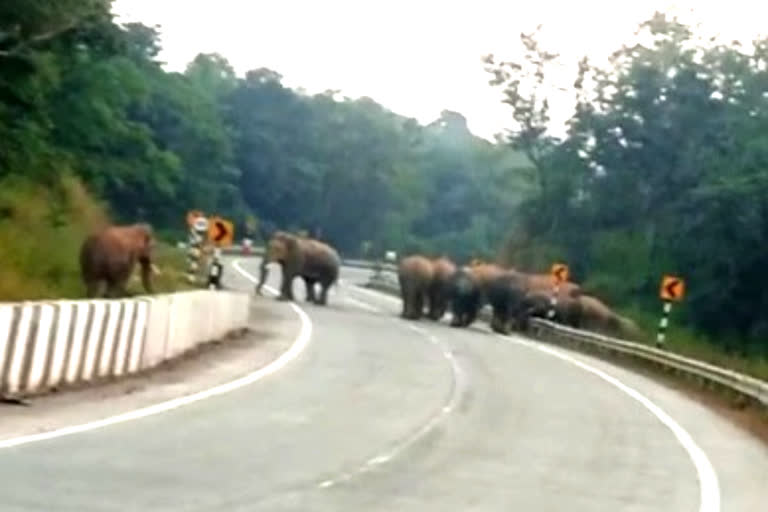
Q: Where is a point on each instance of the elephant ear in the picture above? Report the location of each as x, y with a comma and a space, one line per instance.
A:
282, 247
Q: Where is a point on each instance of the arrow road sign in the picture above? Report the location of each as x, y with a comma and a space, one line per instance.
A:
560, 273
220, 232
672, 288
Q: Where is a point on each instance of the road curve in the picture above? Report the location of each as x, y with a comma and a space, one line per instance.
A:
378, 413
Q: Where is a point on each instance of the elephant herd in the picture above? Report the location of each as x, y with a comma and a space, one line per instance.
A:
437, 284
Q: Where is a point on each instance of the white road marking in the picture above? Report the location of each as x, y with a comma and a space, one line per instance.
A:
300, 343
382, 458
363, 305
709, 487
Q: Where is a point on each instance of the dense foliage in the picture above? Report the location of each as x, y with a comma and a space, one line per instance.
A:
80, 93
664, 167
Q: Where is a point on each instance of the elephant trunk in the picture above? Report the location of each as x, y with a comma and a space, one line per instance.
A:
146, 274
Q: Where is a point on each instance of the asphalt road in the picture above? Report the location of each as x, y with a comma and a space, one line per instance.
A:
382, 414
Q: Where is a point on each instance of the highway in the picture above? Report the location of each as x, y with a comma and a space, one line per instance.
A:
380, 414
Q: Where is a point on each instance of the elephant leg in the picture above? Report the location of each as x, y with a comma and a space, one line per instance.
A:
405, 299
433, 305
323, 299
471, 315
499, 322
286, 287
93, 289
115, 289
310, 285
418, 305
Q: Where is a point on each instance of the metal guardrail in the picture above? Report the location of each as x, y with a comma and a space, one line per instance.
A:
753, 389
750, 387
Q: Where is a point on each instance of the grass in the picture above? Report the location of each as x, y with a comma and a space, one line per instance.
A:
41, 230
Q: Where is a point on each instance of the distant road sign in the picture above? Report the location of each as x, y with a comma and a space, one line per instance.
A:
200, 224
672, 288
560, 273
221, 232
192, 215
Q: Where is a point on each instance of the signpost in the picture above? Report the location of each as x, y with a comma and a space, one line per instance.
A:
560, 274
672, 289
198, 225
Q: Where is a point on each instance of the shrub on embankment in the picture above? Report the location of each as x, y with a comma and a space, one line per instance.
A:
41, 228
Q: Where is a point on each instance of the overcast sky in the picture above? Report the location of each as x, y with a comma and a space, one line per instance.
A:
415, 57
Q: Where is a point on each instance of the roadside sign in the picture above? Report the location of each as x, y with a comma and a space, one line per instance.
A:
560, 273
672, 288
221, 232
192, 215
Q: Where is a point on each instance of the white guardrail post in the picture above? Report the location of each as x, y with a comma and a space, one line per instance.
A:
45, 345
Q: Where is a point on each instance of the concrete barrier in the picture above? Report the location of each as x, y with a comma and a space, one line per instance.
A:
44, 345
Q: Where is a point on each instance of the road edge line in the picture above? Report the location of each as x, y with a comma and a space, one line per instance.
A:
709, 487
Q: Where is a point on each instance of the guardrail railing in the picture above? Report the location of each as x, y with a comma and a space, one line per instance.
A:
751, 388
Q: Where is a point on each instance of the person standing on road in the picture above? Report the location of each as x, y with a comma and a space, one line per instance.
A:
265, 230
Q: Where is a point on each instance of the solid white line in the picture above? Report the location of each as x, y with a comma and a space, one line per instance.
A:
300, 343
709, 488
457, 389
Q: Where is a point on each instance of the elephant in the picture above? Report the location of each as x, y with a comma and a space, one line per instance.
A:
439, 289
543, 283
465, 297
598, 317
109, 256
505, 292
468, 291
536, 303
315, 261
414, 274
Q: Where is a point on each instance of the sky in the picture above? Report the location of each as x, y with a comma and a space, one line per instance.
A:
417, 57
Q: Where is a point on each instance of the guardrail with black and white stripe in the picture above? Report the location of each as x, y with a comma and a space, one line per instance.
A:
745, 386
46, 345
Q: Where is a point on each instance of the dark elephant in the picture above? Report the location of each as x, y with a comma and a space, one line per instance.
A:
439, 290
505, 293
468, 291
315, 261
465, 297
414, 274
109, 257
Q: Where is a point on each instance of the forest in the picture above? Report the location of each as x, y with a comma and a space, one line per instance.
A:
663, 169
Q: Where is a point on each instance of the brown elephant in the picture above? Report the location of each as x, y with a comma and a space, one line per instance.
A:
439, 289
315, 261
415, 274
598, 317
109, 256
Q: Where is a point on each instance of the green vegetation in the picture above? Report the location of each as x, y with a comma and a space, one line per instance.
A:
664, 167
